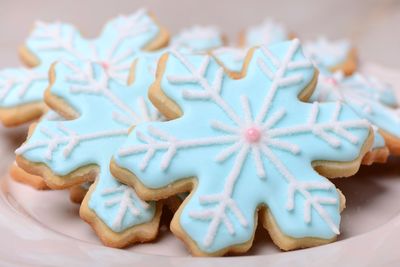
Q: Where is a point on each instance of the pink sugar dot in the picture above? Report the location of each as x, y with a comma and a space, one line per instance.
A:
332, 81
253, 135
105, 64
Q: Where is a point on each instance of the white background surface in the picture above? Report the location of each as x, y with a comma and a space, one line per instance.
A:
372, 25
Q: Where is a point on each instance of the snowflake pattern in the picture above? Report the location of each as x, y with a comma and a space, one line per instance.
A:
367, 96
65, 146
245, 147
125, 199
327, 54
268, 32
198, 38
231, 58
120, 42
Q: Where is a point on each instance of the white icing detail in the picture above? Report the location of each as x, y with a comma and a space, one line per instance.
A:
296, 186
170, 144
144, 110
122, 119
211, 92
52, 116
218, 214
321, 48
218, 125
85, 82
266, 32
56, 39
353, 92
321, 129
69, 139
130, 26
281, 68
237, 54
378, 85
125, 199
234, 139
125, 27
195, 34
23, 82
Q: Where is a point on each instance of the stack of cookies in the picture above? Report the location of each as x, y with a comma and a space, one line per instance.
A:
134, 122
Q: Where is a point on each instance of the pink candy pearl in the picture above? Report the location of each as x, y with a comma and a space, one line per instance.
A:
105, 64
332, 81
253, 135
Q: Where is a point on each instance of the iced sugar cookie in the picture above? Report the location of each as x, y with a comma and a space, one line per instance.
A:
231, 58
244, 148
268, 32
21, 89
78, 192
333, 56
379, 152
100, 112
24, 177
369, 101
198, 38
195, 39
361, 86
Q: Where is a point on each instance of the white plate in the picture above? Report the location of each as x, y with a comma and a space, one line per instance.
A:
44, 229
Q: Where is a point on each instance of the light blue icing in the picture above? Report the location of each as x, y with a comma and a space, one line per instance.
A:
231, 58
52, 116
144, 72
113, 43
250, 190
122, 38
327, 54
367, 100
267, 33
376, 88
97, 116
198, 38
19, 86
379, 141
192, 40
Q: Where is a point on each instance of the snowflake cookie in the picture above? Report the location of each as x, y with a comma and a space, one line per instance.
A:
267, 33
21, 89
21, 176
361, 87
198, 38
189, 41
332, 56
100, 113
244, 147
231, 58
370, 99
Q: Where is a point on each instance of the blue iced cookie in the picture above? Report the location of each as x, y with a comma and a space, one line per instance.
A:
21, 89
99, 112
244, 148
